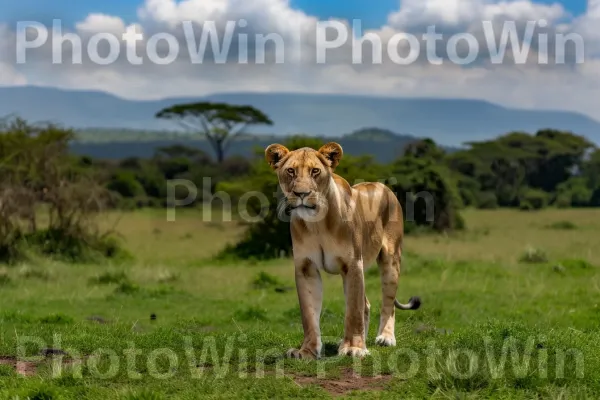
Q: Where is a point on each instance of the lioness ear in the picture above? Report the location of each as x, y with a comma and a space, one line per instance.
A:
333, 153
274, 153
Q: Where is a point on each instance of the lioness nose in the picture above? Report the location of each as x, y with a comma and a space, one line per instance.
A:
301, 194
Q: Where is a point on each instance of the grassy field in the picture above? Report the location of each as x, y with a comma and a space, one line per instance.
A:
510, 311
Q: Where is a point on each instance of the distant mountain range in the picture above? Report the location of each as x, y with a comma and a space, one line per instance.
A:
448, 121
383, 145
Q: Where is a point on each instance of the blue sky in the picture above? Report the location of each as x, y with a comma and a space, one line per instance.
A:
373, 13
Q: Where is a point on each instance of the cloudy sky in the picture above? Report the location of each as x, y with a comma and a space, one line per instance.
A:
519, 80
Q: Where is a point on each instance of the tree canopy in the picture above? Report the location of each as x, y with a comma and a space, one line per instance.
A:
220, 123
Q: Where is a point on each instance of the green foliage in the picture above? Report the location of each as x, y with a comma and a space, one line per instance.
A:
511, 163
109, 278
5, 279
220, 123
251, 314
43, 394
428, 193
487, 200
75, 246
533, 199
574, 193
534, 256
424, 148
126, 184
577, 264
591, 170
144, 395
595, 200
563, 225
57, 319
127, 288
38, 173
7, 371
265, 281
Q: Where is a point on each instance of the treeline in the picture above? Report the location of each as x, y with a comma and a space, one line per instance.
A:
548, 168
529, 171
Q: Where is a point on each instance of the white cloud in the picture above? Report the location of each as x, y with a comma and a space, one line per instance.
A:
456, 13
8, 74
270, 15
574, 88
10, 77
101, 23
588, 25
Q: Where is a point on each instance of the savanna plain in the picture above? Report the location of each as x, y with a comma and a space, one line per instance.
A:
510, 311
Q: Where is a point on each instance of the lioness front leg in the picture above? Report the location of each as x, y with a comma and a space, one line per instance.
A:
354, 341
310, 296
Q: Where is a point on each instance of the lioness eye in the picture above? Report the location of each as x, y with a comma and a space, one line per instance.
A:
291, 171
316, 171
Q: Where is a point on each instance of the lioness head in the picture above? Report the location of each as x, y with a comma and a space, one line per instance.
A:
304, 174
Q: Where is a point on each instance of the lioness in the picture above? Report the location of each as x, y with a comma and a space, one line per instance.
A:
340, 229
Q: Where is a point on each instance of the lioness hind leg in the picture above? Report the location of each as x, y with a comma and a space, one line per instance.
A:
389, 266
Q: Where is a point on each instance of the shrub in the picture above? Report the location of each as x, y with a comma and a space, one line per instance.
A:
34, 273
576, 264
5, 279
264, 281
468, 188
43, 393
57, 319
428, 194
127, 288
109, 278
573, 192
562, 225
595, 199
562, 201
7, 371
533, 199
533, 256
125, 184
37, 172
487, 200
144, 395
251, 314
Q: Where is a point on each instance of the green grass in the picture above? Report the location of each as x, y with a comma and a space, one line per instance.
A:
220, 330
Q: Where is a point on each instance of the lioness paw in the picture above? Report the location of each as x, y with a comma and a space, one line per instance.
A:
353, 351
302, 354
385, 341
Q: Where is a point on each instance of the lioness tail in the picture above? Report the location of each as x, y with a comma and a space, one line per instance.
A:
413, 304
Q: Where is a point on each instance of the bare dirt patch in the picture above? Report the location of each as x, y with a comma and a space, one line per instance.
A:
23, 368
347, 382
29, 368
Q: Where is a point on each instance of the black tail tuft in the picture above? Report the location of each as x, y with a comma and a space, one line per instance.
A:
416, 302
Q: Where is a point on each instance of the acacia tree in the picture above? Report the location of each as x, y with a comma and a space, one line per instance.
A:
220, 123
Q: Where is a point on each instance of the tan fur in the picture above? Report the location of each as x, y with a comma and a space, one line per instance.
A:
339, 229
